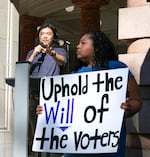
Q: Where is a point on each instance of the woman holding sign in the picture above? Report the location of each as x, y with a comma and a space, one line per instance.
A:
96, 52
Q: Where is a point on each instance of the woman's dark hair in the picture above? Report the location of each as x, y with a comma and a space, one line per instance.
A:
103, 48
55, 42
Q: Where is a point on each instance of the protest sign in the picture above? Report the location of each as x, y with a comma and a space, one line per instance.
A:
81, 112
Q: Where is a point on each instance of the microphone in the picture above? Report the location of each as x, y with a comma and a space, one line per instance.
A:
42, 44
67, 42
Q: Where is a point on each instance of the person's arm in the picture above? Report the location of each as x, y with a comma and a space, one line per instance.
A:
59, 58
133, 102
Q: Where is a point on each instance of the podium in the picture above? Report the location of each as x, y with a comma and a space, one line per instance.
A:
22, 83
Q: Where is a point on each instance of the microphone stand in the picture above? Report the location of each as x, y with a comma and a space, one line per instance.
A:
68, 51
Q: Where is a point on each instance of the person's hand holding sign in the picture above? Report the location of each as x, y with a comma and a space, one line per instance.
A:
133, 101
39, 109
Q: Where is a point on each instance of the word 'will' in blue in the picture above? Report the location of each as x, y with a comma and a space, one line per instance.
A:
60, 114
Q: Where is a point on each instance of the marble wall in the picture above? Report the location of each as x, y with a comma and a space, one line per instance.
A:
9, 35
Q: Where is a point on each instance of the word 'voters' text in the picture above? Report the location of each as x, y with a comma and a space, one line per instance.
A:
81, 86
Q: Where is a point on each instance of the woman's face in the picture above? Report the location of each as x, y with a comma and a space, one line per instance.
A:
85, 50
46, 36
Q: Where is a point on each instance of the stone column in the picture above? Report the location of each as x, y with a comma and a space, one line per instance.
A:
90, 13
134, 26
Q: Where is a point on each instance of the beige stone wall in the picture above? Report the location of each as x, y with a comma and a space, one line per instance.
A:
137, 3
9, 19
134, 24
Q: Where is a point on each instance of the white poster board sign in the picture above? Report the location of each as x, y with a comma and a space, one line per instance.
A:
81, 112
